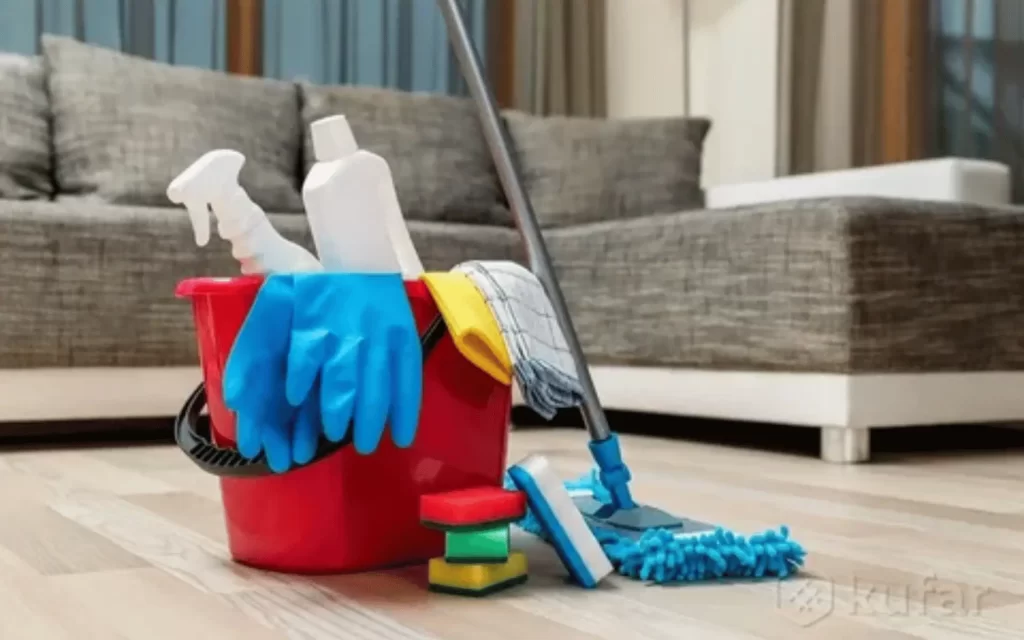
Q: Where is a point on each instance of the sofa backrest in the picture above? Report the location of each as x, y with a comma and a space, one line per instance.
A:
582, 170
124, 126
91, 122
25, 164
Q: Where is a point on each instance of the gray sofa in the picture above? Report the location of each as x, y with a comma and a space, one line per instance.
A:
836, 289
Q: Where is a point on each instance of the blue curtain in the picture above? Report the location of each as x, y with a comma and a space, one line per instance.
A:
979, 82
185, 32
387, 43
965, 34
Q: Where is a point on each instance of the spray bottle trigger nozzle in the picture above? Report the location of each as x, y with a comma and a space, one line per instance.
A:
203, 183
199, 213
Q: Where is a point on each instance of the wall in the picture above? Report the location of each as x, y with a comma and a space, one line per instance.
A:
645, 57
731, 60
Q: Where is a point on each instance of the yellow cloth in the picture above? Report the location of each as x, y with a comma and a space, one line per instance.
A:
471, 323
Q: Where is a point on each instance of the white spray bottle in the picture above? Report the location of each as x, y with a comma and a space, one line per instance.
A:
211, 184
352, 206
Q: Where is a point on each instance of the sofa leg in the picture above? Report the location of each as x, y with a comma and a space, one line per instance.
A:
844, 445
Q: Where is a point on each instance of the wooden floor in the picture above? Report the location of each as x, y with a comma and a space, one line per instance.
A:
108, 544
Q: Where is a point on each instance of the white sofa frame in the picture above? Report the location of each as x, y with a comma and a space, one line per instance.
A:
844, 407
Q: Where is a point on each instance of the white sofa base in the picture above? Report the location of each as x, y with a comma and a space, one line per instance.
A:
85, 393
844, 407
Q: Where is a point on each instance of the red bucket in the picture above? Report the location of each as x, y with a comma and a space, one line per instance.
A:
349, 512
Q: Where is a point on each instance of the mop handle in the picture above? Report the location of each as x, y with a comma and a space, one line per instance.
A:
522, 211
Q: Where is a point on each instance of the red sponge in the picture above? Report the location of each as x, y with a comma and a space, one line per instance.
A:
475, 508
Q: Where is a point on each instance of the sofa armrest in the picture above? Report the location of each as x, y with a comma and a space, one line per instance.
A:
944, 179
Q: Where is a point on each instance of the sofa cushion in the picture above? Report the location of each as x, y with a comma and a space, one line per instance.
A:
89, 284
125, 126
845, 285
25, 168
433, 143
579, 170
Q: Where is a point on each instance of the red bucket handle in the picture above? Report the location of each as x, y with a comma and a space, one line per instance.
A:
194, 439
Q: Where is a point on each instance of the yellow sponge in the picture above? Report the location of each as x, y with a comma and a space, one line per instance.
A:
477, 579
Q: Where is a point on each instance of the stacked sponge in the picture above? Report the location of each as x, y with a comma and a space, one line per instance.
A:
478, 559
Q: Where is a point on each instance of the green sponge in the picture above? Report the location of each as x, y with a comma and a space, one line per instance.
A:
482, 546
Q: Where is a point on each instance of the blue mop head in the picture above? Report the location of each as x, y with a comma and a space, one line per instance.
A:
661, 556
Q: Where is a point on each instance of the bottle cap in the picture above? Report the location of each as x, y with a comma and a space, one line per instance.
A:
332, 139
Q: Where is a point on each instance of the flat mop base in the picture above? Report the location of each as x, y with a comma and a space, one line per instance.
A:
632, 523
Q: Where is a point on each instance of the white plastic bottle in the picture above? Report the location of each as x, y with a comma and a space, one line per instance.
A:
352, 206
211, 184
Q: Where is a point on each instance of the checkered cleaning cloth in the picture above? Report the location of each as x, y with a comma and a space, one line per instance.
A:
541, 361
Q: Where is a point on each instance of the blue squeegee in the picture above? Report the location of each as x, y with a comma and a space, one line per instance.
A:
564, 526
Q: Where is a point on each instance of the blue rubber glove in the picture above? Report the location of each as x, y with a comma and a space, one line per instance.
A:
254, 384
356, 331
